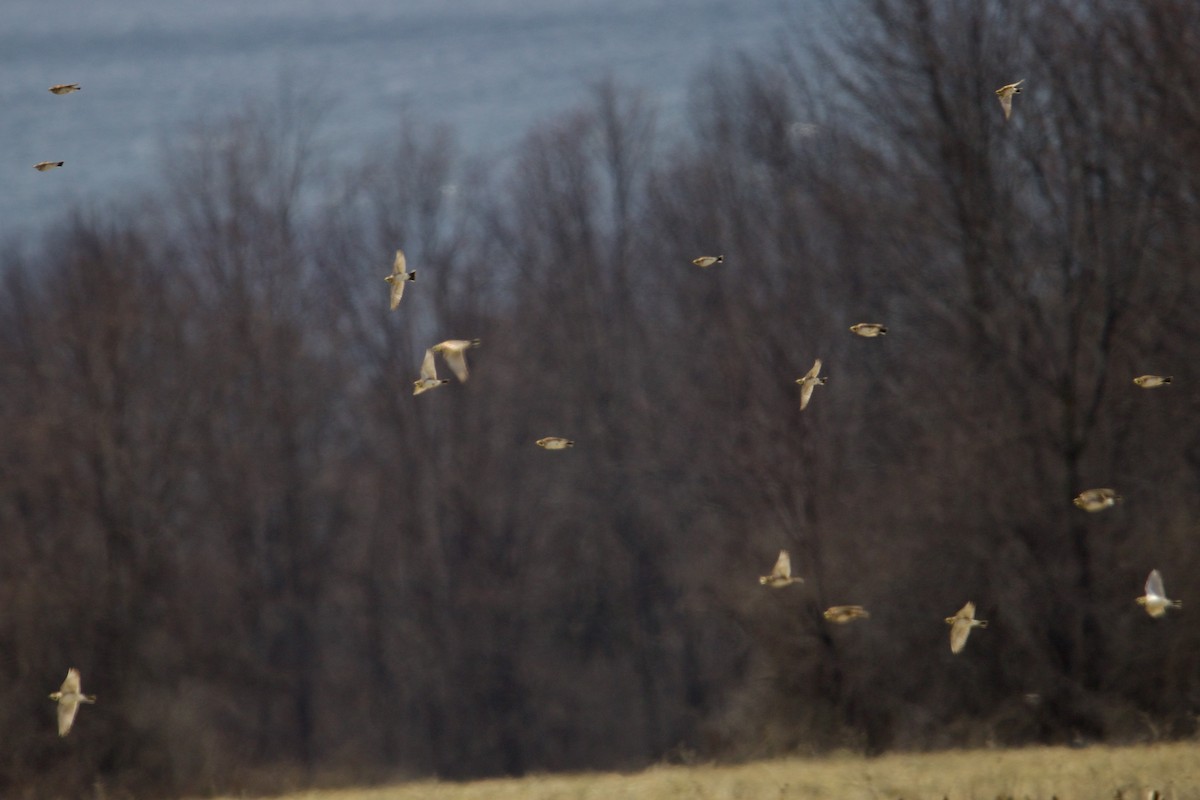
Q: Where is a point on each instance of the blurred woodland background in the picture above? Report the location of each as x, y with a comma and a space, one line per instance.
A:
220, 501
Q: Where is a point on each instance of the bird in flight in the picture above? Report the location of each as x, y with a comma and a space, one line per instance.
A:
843, 614
1005, 93
429, 379
1152, 381
781, 573
454, 351
43, 166
399, 277
1096, 499
64, 88
1155, 599
869, 329
708, 261
554, 443
961, 625
809, 382
68, 698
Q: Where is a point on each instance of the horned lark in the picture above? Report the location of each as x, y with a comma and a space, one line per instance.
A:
554, 443
869, 329
43, 166
454, 351
1152, 381
781, 574
68, 698
64, 88
1005, 93
809, 382
399, 277
1155, 600
708, 261
843, 614
1096, 499
429, 379
960, 626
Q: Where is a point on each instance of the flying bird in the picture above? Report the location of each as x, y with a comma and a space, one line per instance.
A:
1005, 93
454, 351
1155, 600
554, 443
429, 379
869, 329
809, 382
64, 88
43, 166
960, 626
708, 261
843, 614
399, 277
781, 573
68, 698
1096, 499
1152, 381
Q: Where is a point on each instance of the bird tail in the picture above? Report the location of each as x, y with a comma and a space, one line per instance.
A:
1167, 379
87, 698
412, 276
882, 331
981, 623
1176, 604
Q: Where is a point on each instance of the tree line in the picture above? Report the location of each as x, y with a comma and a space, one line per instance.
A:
274, 565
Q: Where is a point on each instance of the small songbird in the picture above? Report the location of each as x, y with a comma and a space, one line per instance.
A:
1155, 600
708, 261
781, 573
869, 329
42, 166
1005, 93
554, 443
960, 626
1096, 499
809, 382
68, 698
399, 277
64, 88
429, 379
1152, 381
843, 614
454, 351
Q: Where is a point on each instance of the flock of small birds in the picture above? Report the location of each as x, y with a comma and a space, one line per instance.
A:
1155, 599
453, 351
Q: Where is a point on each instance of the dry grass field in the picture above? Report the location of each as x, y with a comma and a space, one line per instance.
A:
1094, 773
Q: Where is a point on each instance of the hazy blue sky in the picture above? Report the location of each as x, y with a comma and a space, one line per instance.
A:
489, 68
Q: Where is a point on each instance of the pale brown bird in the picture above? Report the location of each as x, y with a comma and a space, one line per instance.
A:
399, 277
68, 698
781, 573
454, 351
1155, 599
869, 329
554, 443
429, 379
1005, 93
961, 625
1152, 381
708, 261
809, 382
43, 166
64, 88
843, 614
1096, 499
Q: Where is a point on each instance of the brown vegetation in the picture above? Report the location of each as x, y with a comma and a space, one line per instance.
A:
221, 502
